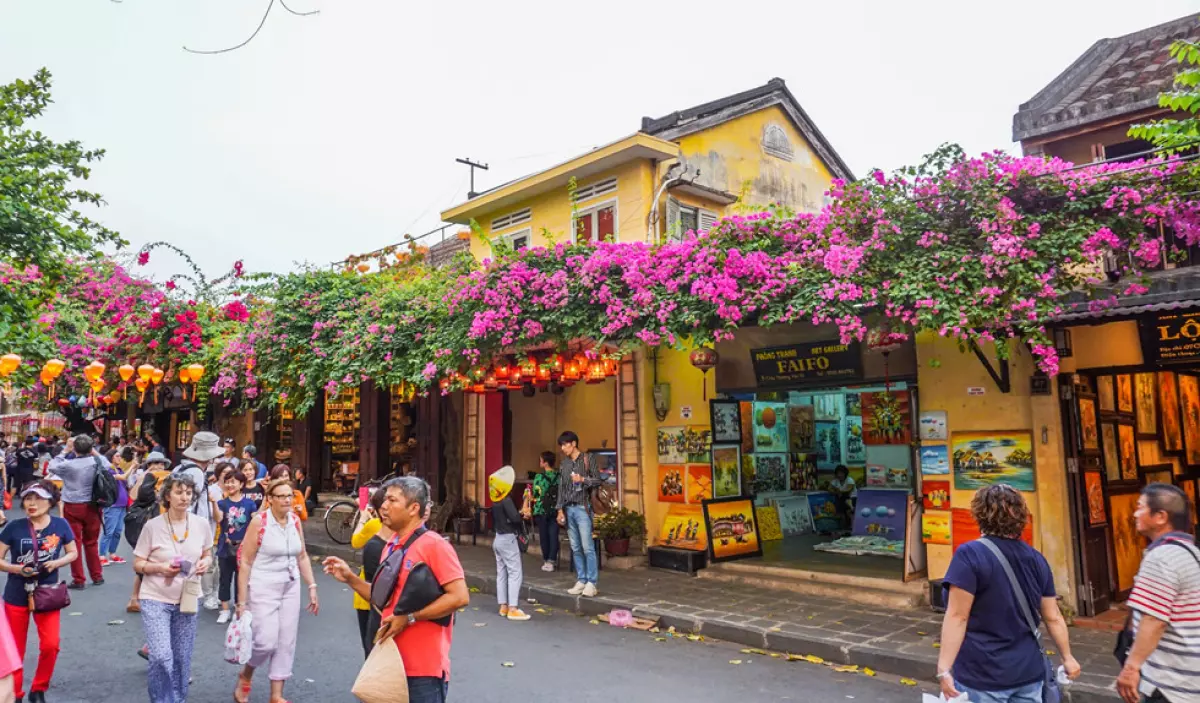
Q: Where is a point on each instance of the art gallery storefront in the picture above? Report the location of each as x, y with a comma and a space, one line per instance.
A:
1134, 414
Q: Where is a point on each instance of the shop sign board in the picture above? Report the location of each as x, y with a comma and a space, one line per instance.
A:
1171, 337
806, 362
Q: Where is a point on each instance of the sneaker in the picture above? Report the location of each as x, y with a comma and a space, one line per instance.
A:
577, 588
114, 559
77, 585
589, 591
98, 582
37, 697
211, 603
517, 614
547, 566
223, 617
504, 611
104, 561
144, 652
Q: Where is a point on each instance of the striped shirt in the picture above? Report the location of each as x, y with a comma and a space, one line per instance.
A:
1167, 587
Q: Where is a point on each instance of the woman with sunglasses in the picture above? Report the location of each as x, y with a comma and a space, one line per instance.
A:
273, 562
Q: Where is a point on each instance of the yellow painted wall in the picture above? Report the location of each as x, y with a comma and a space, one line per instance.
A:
588, 410
730, 156
1113, 344
552, 210
945, 388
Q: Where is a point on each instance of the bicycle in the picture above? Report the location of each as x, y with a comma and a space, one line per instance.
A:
343, 518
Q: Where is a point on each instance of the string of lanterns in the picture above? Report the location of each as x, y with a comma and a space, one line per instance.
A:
148, 376
533, 372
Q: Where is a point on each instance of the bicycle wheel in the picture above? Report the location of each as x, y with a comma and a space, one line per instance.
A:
339, 521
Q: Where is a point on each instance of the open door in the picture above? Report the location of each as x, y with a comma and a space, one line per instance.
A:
1087, 491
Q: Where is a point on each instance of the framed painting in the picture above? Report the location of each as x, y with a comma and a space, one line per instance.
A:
936, 495
670, 483
935, 528
824, 511
671, 447
794, 516
1112, 457
1089, 432
1145, 405
856, 451
726, 420
1170, 421
683, 528
770, 427
803, 472
699, 483
1158, 473
853, 404
769, 527
1094, 486
1127, 450
1189, 405
697, 444
748, 473
986, 457
1124, 393
829, 442
829, 407
935, 459
772, 472
746, 422
1188, 486
886, 418
732, 529
801, 428
1106, 395
932, 424
1127, 543
726, 471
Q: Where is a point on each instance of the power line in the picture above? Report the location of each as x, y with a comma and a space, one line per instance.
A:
261, 24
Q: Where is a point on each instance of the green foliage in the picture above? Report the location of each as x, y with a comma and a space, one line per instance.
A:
1172, 135
621, 523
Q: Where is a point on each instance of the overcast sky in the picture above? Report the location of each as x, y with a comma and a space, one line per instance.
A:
335, 134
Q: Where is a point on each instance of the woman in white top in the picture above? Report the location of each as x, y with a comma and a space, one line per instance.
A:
273, 562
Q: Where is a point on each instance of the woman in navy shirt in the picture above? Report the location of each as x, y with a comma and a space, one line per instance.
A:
28, 563
988, 650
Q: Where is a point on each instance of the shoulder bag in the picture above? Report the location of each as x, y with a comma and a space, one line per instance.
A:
1125, 637
44, 598
388, 574
1051, 693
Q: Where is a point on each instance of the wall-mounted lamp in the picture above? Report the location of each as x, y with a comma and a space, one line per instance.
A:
1062, 342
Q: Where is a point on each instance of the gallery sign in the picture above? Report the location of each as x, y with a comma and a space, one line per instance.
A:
806, 362
1171, 337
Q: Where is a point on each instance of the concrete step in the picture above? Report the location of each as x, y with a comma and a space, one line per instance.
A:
886, 593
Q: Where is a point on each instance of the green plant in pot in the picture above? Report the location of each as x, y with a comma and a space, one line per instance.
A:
617, 527
462, 514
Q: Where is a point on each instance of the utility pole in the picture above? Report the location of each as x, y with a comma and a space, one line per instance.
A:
471, 193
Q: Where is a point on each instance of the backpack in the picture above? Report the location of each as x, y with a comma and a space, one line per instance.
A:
601, 497
104, 486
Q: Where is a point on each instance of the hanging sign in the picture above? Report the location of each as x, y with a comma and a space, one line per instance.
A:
807, 362
1170, 337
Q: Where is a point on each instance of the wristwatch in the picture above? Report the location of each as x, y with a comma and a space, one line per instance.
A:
412, 618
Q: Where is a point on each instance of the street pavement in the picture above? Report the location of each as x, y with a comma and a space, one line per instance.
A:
556, 656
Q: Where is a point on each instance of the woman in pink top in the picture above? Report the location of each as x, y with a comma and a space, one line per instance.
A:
10, 662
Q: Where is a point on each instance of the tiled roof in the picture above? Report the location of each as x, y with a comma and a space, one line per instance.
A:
1115, 77
1176, 289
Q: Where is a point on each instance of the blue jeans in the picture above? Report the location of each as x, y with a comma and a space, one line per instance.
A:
170, 637
114, 522
548, 536
583, 548
427, 689
1029, 693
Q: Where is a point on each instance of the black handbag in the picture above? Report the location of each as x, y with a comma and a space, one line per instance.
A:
420, 589
388, 573
1125, 637
522, 533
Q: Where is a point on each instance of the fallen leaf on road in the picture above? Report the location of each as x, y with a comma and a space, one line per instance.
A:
670, 629
656, 639
908, 682
936, 645
653, 629
868, 672
795, 658
473, 589
753, 650
731, 661
543, 611
475, 608
507, 665
810, 617
922, 633
775, 629
1048, 651
481, 624
462, 610
110, 622
696, 638
845, 669
775, 655
812, 659
70, 614
593, 621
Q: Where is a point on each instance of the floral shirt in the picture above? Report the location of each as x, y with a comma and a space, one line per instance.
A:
545, 492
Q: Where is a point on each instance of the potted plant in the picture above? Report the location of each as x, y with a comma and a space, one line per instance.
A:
462, 515
617, 527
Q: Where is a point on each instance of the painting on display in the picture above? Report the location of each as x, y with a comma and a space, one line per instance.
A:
886, 418
935, 528
732, 529
803, 472
853, 404
670, 483
726, 471
986, 457
823, 509
936, 495
1105, 394
935, 459
1189, 401
1145, 405
683, 528
1088, 429
829, 442
726, 421
1168, 412
772, 472
746, 420
1127, 449
876, 475
964, 528
671, 445
697, 442
699, 483
1097, 515
769, 528
897, 476
770, 427
801, 430
880, 512
1189, 489
828, 407
932, 425
794, 515
748, 473
1112, 456
1124, 393
1158, 473
856, 451
1127, 543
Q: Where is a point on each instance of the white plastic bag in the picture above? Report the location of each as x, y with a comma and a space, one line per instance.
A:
239, 640
930, 698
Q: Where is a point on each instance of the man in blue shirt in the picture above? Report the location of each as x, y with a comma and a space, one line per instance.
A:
251, 452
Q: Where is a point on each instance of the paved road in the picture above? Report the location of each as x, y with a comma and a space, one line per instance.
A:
98, 663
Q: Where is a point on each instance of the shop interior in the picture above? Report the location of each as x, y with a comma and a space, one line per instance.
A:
343, 430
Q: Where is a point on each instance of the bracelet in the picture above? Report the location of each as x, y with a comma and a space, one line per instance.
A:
312, 585
943, 675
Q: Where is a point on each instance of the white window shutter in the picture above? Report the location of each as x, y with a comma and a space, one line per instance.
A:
673, 219
707, 220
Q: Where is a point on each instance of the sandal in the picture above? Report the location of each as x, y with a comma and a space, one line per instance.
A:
243, 687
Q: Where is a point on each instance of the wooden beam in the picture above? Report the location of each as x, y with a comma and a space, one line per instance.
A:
1002, 380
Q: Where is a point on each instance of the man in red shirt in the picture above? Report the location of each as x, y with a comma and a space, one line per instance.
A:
424, 645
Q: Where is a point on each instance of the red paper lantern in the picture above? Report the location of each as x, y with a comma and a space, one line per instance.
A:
595, 372
705, 359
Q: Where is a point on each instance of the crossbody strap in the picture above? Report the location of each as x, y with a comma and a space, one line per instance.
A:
1018, 593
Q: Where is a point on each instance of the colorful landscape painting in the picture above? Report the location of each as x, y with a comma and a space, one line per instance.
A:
936, 495
770, 427
699, 482
829, 442
935, 459
885, 417
671, 445
987, 457
732, 528
823, 510
697, 442
683, 528
935, 528
727, 471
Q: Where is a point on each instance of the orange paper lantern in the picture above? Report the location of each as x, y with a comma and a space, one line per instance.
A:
185, 376
144, 372
156, 376
54, 368
9, 363
126, 372
197, 372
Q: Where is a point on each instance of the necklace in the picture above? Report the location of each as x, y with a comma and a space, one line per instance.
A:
187, 530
